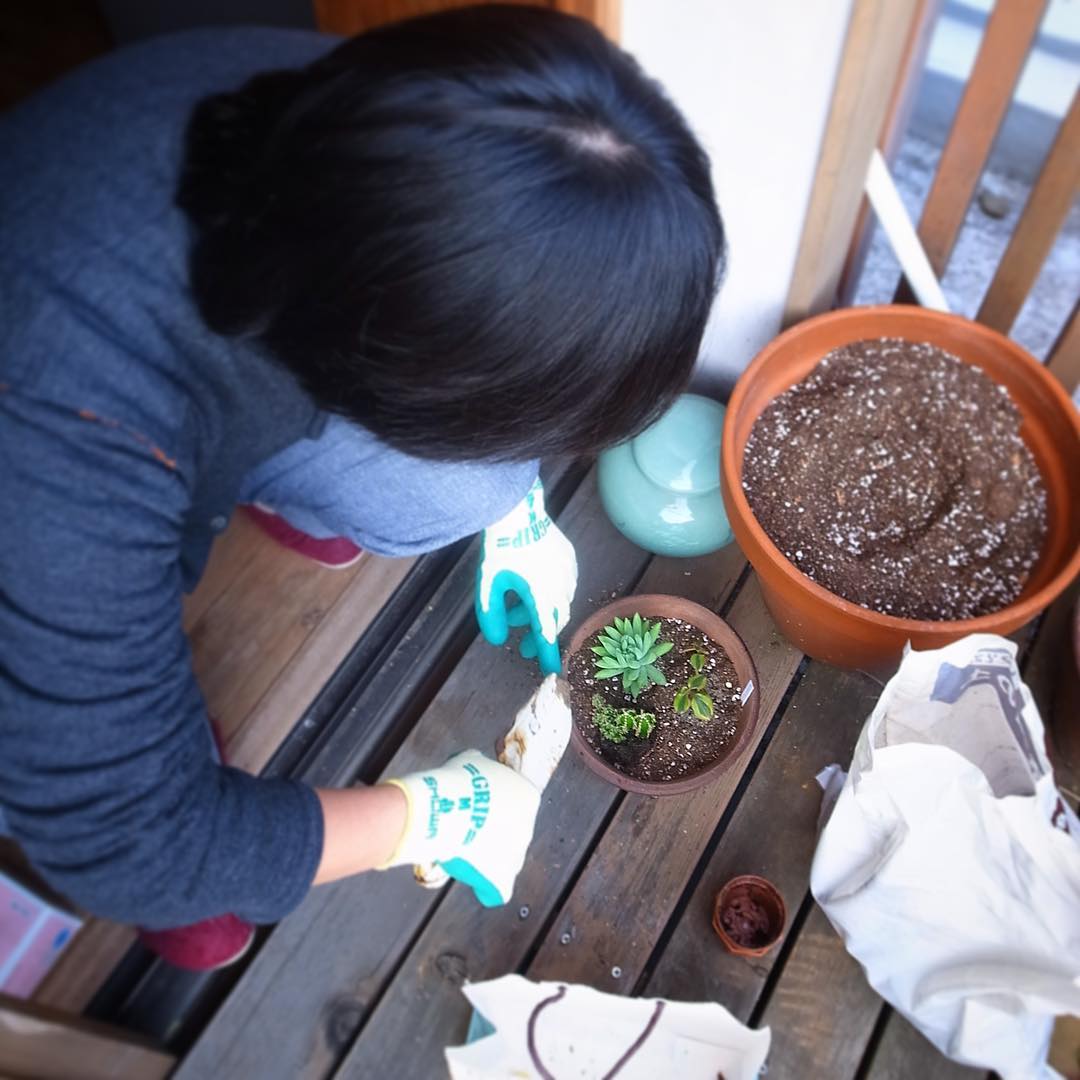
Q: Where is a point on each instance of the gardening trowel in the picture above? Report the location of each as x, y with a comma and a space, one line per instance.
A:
533, 748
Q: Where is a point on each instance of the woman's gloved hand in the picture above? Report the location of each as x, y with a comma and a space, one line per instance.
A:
525, 553
474, 818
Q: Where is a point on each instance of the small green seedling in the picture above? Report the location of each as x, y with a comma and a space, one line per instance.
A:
616, 724
630, 648
692, 696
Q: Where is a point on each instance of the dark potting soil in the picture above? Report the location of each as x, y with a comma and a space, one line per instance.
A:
746, 922
680, 743
894, 475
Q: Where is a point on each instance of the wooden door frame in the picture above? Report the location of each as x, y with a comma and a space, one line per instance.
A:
348, 16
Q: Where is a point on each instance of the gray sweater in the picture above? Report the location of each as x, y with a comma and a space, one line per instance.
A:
125, 429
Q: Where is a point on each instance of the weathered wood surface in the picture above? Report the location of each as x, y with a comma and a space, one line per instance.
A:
773, 832
423, 1010
267, 613
41, 1043
365, 978
904, 1053
822, 1011
652, 846
300, 1004
289, 686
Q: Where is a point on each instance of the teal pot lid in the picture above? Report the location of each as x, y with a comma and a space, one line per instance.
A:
662, 489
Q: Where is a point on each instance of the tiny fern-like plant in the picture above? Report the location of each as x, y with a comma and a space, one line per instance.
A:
628, 649
616, 725
692, 696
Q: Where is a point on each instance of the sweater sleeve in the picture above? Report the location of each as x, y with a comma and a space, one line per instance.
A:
107, 775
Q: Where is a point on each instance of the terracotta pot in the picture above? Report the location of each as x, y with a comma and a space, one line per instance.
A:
657, 606
838, 631
739, 891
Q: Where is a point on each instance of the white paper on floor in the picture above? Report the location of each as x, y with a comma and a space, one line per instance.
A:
950, 864
561, 1030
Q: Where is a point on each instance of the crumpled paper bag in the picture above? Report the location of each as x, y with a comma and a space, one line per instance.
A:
557, 1029
950, 865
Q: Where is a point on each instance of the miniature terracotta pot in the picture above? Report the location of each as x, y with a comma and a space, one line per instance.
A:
749, 915
658, 606
843, 633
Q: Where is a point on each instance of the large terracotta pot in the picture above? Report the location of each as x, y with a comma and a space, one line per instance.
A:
660, 606
838, 631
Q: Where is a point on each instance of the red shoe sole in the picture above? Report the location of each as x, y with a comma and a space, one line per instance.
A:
202, 946
335, 553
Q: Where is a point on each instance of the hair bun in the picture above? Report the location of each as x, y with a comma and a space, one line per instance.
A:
226, 141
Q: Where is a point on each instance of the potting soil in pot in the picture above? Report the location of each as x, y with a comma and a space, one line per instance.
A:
746, 922
680, 743
894, 475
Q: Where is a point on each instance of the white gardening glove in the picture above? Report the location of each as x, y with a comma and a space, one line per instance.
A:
474, 818
527, 554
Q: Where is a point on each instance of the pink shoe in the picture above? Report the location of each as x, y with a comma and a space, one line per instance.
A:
335, 553
202, 946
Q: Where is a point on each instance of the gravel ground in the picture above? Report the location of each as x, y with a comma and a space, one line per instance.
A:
981, 244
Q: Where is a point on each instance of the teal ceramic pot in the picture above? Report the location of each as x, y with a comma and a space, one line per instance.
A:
662, 489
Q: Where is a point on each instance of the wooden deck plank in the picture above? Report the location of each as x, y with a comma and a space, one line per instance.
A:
822, 1011
652, 846
423, 1009
273, 605
305, 995
773, 832
296, 682
904, 1052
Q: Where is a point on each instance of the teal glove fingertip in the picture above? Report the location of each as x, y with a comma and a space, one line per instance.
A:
463, 871
548, 657
495, 621
492, 619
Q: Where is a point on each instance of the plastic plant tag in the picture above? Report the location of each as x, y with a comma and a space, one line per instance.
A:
747, 690
950, 864
550, 1029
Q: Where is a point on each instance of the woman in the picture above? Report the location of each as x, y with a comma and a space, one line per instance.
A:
366, 292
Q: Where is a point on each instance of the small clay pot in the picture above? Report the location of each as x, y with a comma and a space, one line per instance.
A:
659, 606
838, 631
755, 904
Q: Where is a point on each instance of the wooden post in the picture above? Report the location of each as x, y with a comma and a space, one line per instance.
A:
1047, 207
873, 50
897, 121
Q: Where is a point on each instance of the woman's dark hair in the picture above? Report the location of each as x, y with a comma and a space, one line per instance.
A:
484, 233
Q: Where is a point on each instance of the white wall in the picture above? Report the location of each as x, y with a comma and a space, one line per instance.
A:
754, 78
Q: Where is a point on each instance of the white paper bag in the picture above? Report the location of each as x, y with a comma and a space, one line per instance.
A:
951, 866
562, 1030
